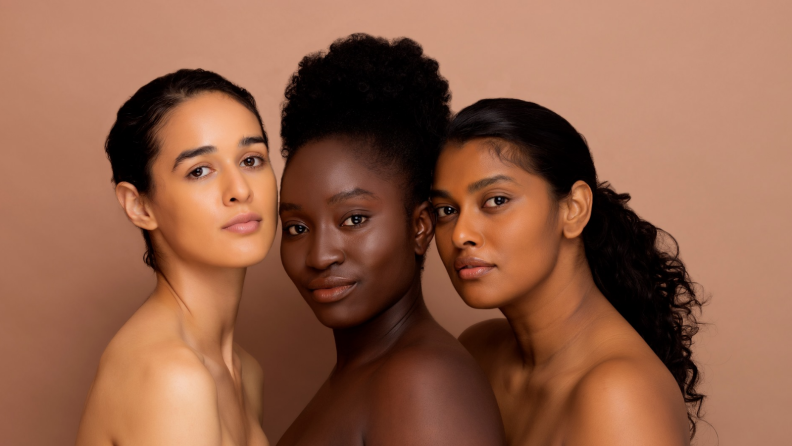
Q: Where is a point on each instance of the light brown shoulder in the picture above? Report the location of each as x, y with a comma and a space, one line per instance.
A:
626, 401
161, 391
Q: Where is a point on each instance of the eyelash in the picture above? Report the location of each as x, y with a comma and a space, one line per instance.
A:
493, 199
199, 168
288, 230
444, 208
261, 160
356, 225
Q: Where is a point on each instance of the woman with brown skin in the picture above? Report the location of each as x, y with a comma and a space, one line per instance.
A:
595, 347
362, 125
191, 167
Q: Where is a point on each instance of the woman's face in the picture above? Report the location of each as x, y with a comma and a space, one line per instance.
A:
347, 244
497, 227
214, 192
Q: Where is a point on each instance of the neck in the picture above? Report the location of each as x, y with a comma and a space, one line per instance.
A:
207, 300
550, 318
374, 338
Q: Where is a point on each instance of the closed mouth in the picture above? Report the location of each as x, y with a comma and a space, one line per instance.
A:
330, 289
472, 268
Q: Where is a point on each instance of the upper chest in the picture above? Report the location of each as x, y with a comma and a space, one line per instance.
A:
533, 405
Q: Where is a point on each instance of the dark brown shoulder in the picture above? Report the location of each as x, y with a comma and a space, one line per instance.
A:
434, 380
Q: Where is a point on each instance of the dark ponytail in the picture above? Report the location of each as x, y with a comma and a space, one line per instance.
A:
132, 144
635, 264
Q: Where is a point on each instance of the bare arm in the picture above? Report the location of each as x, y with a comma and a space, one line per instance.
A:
426, 399
620, 402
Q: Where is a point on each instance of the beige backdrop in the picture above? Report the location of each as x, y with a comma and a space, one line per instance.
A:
686, 105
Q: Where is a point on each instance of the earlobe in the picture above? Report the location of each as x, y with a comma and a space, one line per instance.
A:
577, 209
423, 223
135, 206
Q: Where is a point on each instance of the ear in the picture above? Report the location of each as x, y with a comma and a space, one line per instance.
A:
135, 206
423, 225
576, 210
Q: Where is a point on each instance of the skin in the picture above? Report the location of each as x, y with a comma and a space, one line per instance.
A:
565, 367
354, 255
173, 374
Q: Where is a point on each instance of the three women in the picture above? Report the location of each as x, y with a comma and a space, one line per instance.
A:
595, 348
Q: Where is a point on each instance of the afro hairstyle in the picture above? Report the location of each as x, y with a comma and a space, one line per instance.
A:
386, 94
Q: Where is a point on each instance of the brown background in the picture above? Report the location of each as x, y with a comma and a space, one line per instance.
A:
685, 104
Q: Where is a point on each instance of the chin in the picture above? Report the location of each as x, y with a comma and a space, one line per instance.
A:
336, 317
242, 259
482, 298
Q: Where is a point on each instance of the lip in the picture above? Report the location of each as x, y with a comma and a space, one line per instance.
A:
244, 223
469, 268
330, 289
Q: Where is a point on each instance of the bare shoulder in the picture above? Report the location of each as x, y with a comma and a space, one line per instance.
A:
161, 388
436, 381
627, 400
483, 338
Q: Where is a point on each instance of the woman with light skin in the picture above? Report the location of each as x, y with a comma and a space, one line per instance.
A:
361, 127
191, 167
595, 347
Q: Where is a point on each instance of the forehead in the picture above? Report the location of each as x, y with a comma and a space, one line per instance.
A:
323, 168
474, 160
210, 118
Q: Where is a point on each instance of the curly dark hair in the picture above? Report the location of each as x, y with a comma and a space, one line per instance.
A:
635, 264
132, 145
387, 94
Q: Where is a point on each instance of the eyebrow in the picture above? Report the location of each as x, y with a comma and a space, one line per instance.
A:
250, 140
473, 187
481, 184
284, 207
203, 150
192, 153
346, 195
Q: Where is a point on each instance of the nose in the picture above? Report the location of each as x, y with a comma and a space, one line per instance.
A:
236, 188
466, 233
325, 250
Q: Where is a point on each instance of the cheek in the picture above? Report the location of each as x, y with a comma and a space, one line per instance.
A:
187, 221
267, 204
445, 246
292, 258
385, 255
527, 252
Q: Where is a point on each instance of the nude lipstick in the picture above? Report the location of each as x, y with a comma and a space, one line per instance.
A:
244, 223
330, 289
469, 268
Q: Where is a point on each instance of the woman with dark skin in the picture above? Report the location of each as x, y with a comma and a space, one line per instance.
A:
191, 167
595, 347
361, 127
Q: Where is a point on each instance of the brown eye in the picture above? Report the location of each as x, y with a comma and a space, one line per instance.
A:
354, 220
296, 229
252, 161
199, 172
444, 211
495, 202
